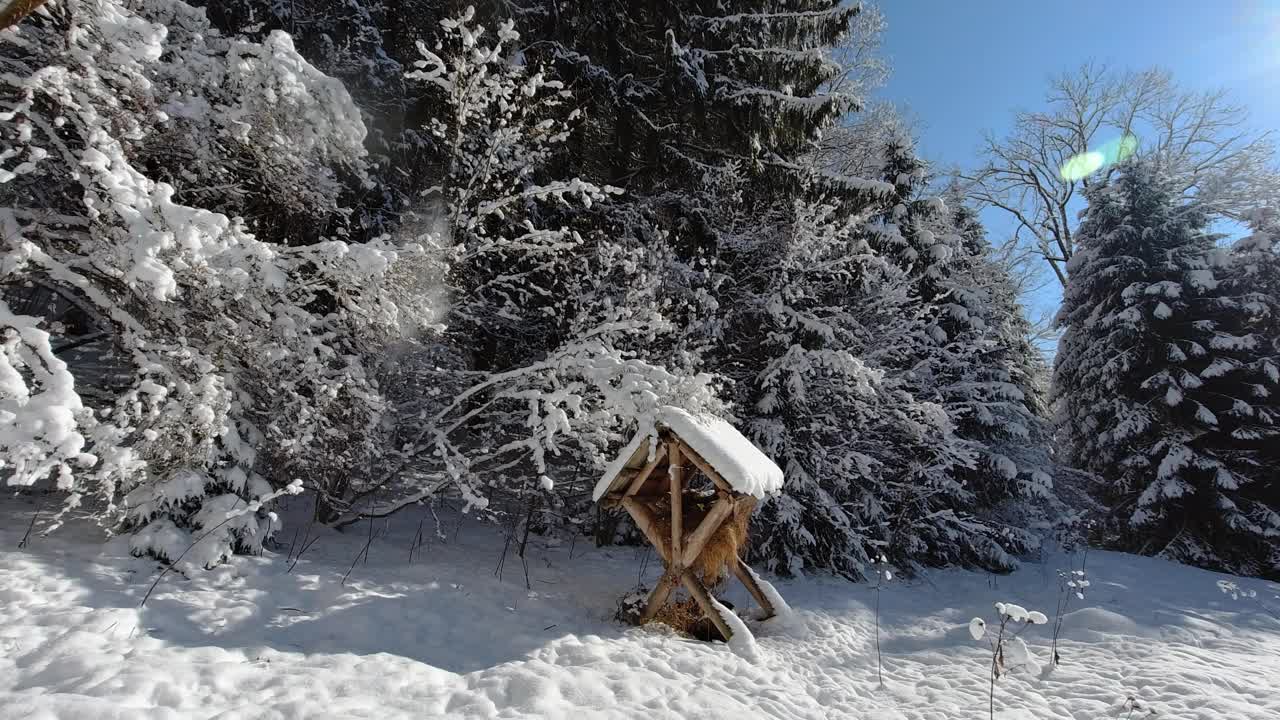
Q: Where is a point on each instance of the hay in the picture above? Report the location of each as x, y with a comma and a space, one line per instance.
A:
685, 617
724, 545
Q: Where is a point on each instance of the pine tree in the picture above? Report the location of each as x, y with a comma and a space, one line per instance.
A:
677, 88
871, 469
964, 351
999, 376
1165, 381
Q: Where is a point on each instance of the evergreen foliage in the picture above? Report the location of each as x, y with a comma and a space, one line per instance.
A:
404, 250
1166, 377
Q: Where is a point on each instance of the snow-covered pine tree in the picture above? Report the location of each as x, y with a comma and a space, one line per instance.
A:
869, 468
700, 141
1002, 403
674, 88
1255, 275
245, 364
1166, 381
963, 353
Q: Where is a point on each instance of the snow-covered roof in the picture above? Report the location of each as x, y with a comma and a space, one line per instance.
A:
727, 451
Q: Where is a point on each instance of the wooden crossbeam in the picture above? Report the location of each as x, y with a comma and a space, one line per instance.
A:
698, 538
706, 468
699, 594
658, 597
638, 481
745, 576
648, 525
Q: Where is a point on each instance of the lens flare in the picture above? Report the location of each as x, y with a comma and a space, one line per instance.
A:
1081, 166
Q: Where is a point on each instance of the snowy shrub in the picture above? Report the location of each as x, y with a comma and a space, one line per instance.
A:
1071, 584
1008, 651
246, 358
536, 375
1235, 591
1133, 704
883, 576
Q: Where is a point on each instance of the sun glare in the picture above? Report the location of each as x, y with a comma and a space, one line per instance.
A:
1081, 166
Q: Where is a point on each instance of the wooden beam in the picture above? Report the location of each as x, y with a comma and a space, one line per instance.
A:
646, 471
699, 537
12, 12
744, 574
706, 468
648, 525
703, 599
677, 501
658, 597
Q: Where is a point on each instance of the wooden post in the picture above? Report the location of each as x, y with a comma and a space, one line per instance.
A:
744, 574
699, 537
677, 502
658, 597
700, 595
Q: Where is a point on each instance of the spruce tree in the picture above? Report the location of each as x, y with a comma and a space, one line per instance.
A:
966, 349
676, 88
1165, 381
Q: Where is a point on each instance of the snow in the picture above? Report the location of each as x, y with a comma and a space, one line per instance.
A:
781, 610
731, 454
741, 641
444, 637
619, 462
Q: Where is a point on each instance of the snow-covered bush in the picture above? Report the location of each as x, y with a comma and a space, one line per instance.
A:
129, 125
1133, 704
883, 576
546, 310
1236, 591
1071, 584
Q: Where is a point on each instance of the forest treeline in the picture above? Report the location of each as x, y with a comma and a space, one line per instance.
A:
422, 252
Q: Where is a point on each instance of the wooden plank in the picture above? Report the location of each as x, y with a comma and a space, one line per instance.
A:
699, 537
743, 573
646, 471
706, 468
677, 501
658, 597
703, 599
14, 11
648, 525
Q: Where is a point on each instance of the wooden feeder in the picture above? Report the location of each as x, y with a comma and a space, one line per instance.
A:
652, 480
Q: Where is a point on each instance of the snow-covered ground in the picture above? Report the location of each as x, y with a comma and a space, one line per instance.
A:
446, 637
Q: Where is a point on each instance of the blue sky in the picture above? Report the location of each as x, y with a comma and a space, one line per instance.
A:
963, 67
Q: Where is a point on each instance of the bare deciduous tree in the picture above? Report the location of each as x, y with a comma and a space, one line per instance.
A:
1202, 139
